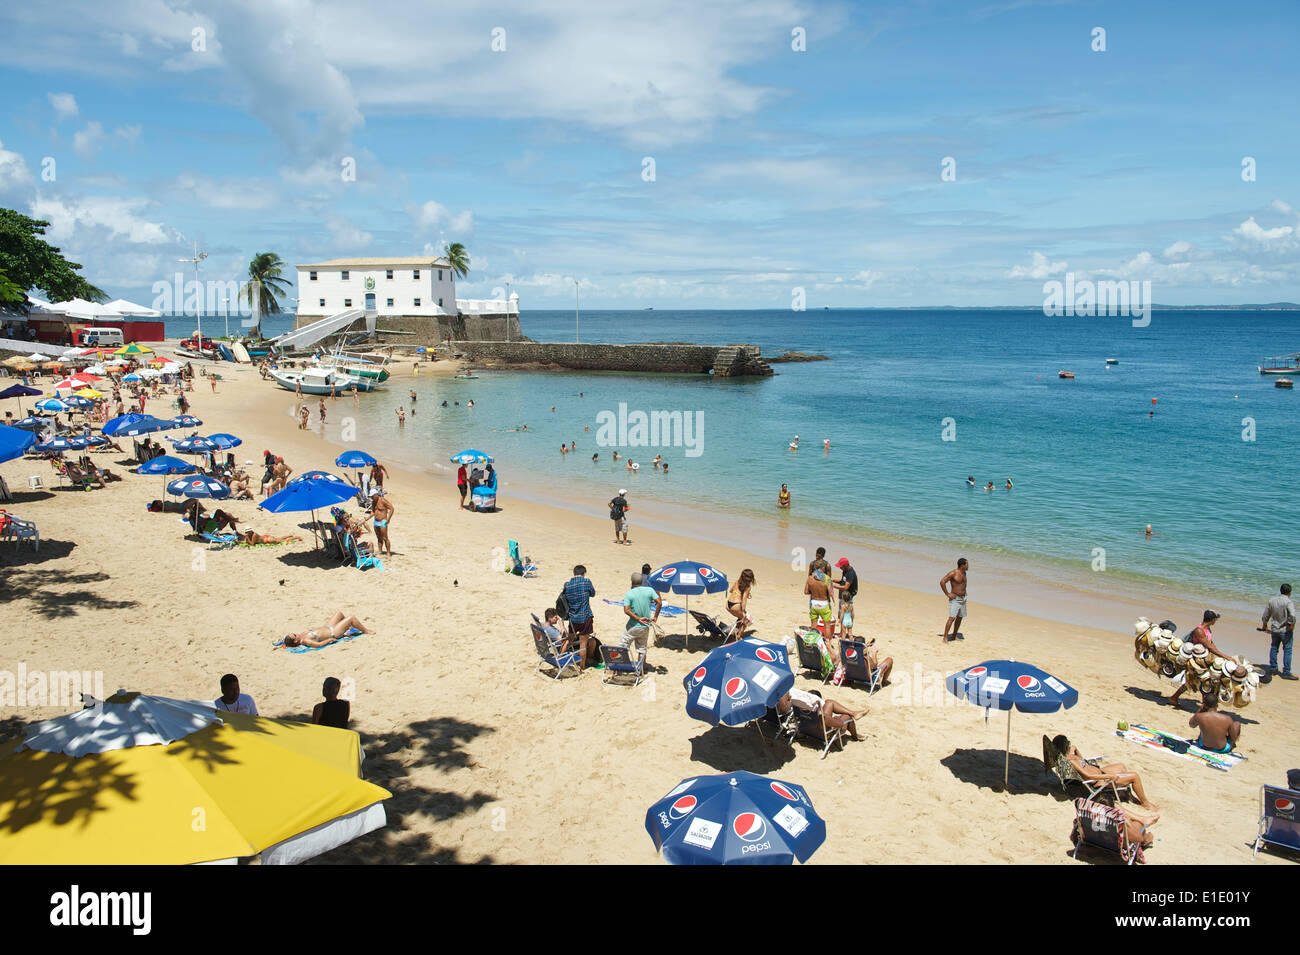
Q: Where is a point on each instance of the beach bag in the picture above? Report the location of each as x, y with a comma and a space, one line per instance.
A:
814, 639
616, 512
562, 606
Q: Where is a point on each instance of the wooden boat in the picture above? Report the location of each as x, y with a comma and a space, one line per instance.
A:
1280, 365
321, 381
1284, 383
354, 365
1065, 374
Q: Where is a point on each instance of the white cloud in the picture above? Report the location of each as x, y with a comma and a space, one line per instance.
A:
117, 217
65, 105
1177, 250
1252, 233
86, 142
129, 133
14, 174
347, 237
433, 216
224, 193
1039, 268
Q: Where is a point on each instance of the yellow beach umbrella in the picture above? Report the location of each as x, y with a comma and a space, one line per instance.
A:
17, 360
134, 349
191, 785
89, 393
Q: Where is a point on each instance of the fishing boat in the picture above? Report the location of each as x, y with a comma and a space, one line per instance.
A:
1112, 361
1280, 365
321, 381
1284, 383
355, 365
1065, 374
468, 373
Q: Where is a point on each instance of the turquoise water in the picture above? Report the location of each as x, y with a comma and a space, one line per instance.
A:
1090, 466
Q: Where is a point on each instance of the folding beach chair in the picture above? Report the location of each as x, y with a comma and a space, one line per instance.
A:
219, 541
361, 553
853, 655
810, 658
520, 566
621, 660
1279, 822
550, 656
712, 627
1103, 827
813, 726
1055, 762
21, 530
775, 723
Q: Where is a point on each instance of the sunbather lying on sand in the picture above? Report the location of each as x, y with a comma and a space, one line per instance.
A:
252, 537
323, 636
1115, 773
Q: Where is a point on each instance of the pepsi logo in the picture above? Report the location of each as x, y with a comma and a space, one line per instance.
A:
667, 571
977, 671
705, 572
736, 688
1027, 683
851, 653
766, 655
1283, 805
698, 675
749, 826
682, 807
784, 791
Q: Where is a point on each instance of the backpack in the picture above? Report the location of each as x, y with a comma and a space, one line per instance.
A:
562, 606
615, 511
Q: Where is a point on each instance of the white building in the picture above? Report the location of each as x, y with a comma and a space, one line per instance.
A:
402, 286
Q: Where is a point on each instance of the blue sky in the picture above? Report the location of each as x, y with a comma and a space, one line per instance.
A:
775, 169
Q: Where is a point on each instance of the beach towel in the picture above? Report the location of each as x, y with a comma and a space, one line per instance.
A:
814, 638
352, 634
1145, 736
668, 610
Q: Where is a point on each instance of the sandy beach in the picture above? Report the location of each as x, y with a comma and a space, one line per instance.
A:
490, 762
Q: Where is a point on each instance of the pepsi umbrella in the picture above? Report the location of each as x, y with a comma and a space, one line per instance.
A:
224, 441
81, 404
166, 464
113, 425
735, 819
186, 421
324, 476
194, 444
14, 442
688, 577
352, 459
1008, 685
32, 424
144, 424
54, 405
738, 682
20, 392
309, 493
200, 486
471, 457
57, 444
92, 440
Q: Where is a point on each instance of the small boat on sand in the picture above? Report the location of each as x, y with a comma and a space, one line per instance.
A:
1065, 374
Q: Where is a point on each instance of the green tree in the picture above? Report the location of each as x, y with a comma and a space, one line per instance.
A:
10, 292
458, 257
31, 262
265, 287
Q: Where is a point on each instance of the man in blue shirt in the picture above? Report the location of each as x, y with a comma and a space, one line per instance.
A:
578, 592
642, 605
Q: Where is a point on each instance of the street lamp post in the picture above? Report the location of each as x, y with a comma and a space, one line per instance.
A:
575, 312
225, 307
198, 289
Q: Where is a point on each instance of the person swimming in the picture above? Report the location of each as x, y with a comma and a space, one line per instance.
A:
970, 481
1008, 484
989, 486
794, 445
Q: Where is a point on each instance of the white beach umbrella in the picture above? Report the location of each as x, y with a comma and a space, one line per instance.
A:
144, 721
37, 356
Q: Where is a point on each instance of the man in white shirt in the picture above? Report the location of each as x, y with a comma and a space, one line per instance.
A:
232, 700
1279, 622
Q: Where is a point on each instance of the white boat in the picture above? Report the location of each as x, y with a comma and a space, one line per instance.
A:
321, 381
468, 373
357, 366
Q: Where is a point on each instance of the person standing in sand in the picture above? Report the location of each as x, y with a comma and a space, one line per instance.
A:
322, 410
462, 483
618, 509
953, 586
377, 474
382, 511
1278, 621
303, 416
818, 590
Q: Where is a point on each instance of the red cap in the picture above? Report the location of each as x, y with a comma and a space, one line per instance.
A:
842, 562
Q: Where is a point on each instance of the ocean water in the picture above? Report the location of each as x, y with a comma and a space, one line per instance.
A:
1213, 470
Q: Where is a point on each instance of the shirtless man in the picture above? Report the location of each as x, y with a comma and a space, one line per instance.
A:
1205, 638
382, 511
323, 636
377, 474
1219, 731
818, 591
836, 715
953, 586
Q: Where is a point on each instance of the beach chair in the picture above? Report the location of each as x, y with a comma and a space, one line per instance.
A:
34, 483
621, 660
810, 658
775, 723
520, 566
21, 530
853, 656
219, 541
711, 626
1279, 821
1055, 762
361, 553
1103, 827
813, 726
550, 656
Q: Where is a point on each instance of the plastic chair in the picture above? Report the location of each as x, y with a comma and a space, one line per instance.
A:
21, 530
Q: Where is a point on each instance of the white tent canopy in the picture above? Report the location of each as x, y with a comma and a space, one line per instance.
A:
81, 309
123, 307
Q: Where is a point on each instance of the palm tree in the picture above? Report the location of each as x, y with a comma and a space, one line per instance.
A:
458, 257
265, 286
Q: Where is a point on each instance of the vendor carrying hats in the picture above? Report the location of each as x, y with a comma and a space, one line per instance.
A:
1200, 647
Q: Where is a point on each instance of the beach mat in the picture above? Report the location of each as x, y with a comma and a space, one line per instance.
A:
352, 634
668, 610
1145, 736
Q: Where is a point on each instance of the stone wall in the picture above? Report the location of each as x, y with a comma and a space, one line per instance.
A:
681, 359
431, 329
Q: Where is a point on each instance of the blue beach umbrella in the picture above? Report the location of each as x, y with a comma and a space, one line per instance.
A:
224, 441
354, 459
738, 682
165, 464
194, 444
78, 402
309, 493
200, 486
20, 392
92, 440
688, 577
33, 423
54, 405
143, 424
323, 476
113, 425
59, 443
132, 377
14, 442
1008, 685
185, 421
735, 819
471, 457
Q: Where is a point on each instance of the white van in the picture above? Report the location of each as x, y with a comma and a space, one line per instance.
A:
100, 337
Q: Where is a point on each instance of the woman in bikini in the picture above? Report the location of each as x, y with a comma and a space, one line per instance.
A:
252, 537
1115, 773
783, 497
323, 636
738, 600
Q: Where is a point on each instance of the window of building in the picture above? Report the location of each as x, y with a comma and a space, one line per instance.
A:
388, 275
322, 303
345, 275
440, 303
390, 302
311, 276
440, 275
417, 303
347, 303
416, 275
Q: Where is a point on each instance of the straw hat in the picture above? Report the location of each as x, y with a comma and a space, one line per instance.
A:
1168, 670
1141, 626
1226, 695
1175, 644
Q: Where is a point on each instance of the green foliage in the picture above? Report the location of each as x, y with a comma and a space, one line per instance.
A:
31, 262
